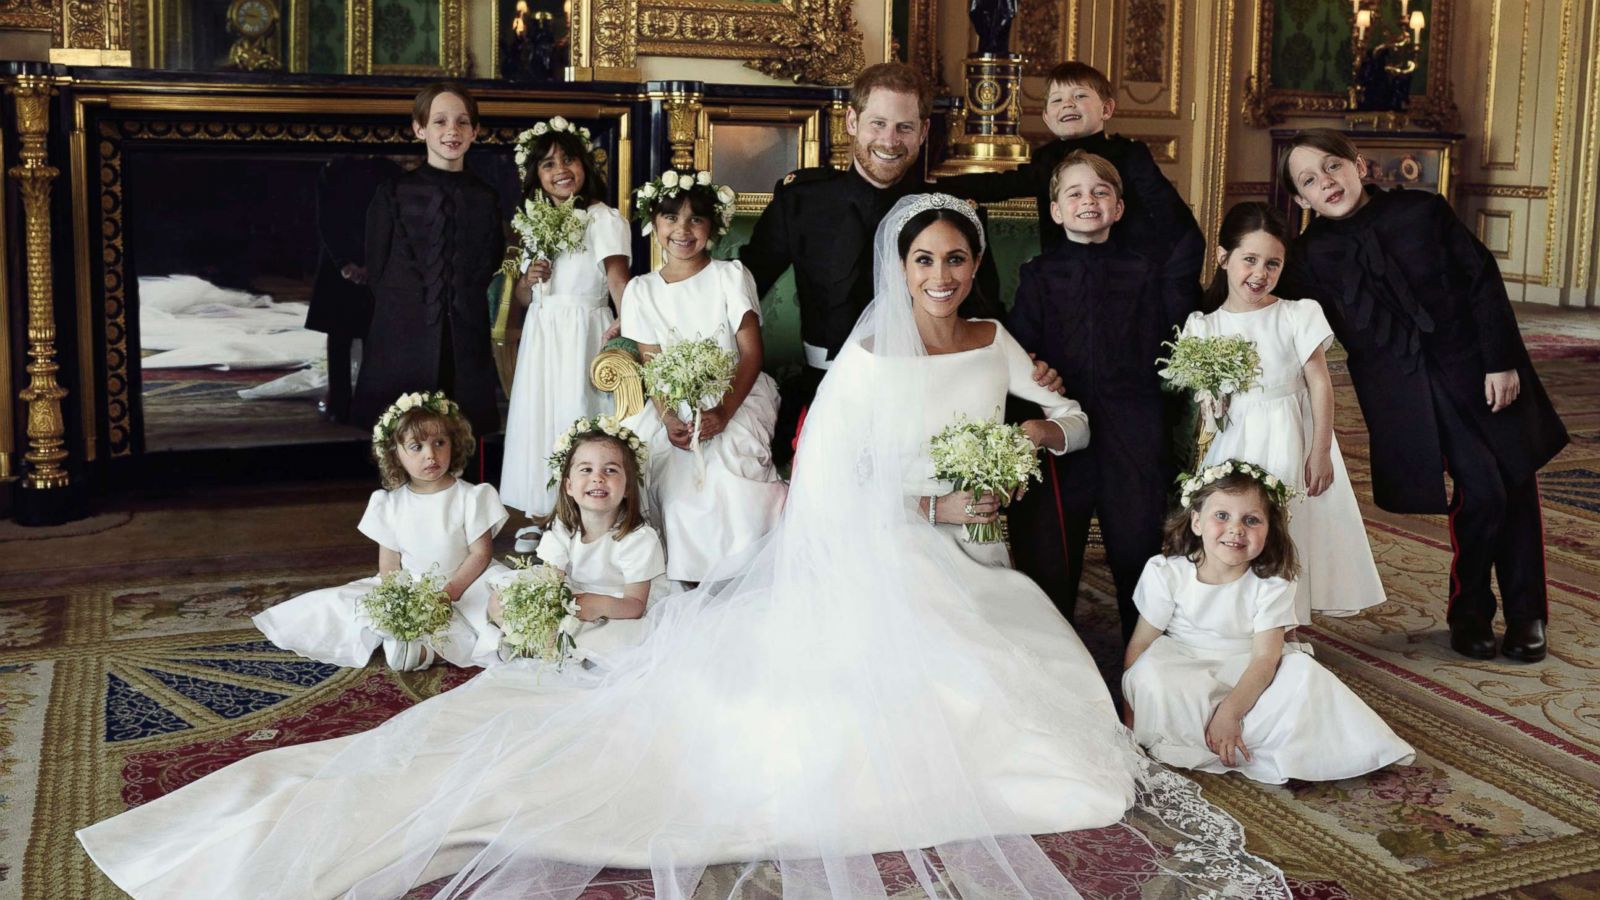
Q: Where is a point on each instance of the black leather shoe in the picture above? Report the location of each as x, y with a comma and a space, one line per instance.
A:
1524, 641
1474, 638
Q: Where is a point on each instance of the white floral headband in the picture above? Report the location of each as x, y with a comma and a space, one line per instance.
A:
433, 401
540, 129
606, 425
671, 184
1279, 493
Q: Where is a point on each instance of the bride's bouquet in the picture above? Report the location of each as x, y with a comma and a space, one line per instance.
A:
407, 607
689, 377
1213, 369
545, 230
984, 457
533, 604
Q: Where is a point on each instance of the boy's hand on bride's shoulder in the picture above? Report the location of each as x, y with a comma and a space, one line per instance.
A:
1046, 377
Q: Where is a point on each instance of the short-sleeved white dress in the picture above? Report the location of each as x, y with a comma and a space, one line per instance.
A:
741, 495
562, 334
430, 532
1306, 724
607, 566
1271, 425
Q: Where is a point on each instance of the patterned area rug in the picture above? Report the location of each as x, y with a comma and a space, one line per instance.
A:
121, 680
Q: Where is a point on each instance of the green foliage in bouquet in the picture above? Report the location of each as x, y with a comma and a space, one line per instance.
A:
984, 457
408, 608
545, 230
532, 604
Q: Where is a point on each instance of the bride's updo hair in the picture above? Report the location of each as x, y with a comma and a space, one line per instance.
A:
920, 222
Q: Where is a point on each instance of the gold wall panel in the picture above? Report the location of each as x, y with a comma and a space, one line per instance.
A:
1496, 228
1148, 71
1500, 141
452, 42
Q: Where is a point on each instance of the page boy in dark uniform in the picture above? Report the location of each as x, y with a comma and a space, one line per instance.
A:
1097, 308
434, 240
1443, 378
1079, 102
341, 302
822, 222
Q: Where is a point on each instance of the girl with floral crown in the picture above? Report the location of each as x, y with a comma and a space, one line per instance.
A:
569, 300
425, 520
598, 537
1284, 422
714, 495
1209, 682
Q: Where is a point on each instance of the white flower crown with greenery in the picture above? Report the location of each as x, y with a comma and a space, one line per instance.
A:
1277, 491
672, 183
556, 123
607, 425
433, 401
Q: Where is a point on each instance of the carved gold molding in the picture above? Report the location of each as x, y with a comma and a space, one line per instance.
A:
840, 144
922, 31
7, 442
1212, 187
1265, 105
1168, 55
1513, 191
685, 131
90, 33
452, 42
43, 395
1489, 88
813, 41
29, 15
1553, 204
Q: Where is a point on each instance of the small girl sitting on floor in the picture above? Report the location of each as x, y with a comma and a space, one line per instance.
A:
597, 535
1209, 682
425, 519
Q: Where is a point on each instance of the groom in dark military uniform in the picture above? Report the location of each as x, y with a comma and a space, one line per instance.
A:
822, 221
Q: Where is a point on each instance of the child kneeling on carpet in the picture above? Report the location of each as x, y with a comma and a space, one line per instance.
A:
426, 521
598, 536
1209, 681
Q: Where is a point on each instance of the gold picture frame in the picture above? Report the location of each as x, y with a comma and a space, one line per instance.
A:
452, 58
1266, 105
806, 41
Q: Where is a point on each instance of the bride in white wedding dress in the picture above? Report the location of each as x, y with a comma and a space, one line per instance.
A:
859, 683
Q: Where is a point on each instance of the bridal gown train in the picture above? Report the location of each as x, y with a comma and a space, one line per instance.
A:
910, 693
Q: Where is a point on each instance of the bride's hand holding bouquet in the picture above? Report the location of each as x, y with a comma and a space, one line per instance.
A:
986, 462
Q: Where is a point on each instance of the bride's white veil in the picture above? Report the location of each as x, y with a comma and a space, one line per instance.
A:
801, 715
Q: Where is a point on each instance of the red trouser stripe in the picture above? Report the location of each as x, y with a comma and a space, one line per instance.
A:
1455, 546
1061, 515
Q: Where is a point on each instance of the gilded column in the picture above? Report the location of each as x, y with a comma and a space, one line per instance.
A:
43, 395
840, 144
685, 143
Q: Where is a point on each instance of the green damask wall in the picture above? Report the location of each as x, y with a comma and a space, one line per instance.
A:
1311, 44
1014, 241
326, 26
405, 33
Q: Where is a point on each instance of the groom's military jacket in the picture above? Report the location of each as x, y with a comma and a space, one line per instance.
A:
822, 222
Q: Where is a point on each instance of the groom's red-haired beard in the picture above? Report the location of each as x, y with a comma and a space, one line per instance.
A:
884, 171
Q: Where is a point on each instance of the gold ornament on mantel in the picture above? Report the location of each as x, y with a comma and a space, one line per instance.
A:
821, 45
255, 21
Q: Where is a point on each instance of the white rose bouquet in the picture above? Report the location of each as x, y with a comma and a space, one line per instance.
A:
984, 457
407, 607
1213, 369
533, 605
688, 377
545, 230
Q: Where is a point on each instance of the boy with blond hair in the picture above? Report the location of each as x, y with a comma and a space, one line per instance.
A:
1096, 307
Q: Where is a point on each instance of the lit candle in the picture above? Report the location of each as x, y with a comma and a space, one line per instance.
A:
1417, 23
1355, 6
1405, 5
1363, 22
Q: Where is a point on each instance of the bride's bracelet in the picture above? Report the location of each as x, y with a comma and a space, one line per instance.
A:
933, 503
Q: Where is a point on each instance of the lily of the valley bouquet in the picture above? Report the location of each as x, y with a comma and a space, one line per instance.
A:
984, 457
1213, 369
545, 230
689, 377
408, 607
533, 605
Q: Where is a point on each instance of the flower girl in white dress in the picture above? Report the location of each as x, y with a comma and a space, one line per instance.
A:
426, 520
598, 536
1285, 423
714, 506
569, 318
1210, 682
